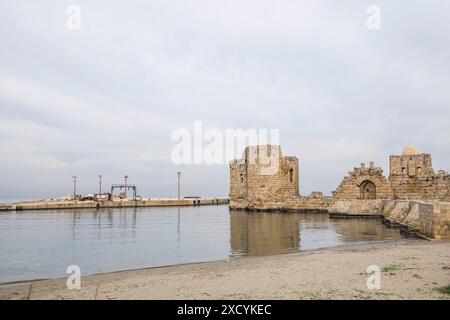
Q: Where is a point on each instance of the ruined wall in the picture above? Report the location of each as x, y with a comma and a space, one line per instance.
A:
316, 201
263, 179
412, 177
364, 183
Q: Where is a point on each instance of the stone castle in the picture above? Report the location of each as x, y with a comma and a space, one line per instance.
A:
264, 179
411, 177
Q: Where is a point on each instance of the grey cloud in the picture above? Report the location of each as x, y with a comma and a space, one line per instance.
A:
105, 99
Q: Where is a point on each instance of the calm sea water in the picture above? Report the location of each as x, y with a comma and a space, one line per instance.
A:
42, 244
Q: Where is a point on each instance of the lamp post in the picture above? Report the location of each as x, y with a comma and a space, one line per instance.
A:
99, 184
126, 180
74, 186
179, 176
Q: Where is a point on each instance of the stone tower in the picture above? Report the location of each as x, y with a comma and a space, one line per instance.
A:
263, 179
411, 164
412, 175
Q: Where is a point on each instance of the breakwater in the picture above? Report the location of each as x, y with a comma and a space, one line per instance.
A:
89, 204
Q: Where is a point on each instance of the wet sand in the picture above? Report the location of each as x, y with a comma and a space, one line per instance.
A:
410, 269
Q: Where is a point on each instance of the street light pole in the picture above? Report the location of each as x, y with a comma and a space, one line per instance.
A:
74, 187
179, 176
126, 180
99, 184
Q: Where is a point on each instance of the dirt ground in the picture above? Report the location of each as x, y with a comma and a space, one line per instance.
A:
409, 269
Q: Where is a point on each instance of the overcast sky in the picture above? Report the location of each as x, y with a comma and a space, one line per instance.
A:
106, 98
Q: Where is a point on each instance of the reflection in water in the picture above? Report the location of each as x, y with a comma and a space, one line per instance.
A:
108, 223
264, 233
39, 244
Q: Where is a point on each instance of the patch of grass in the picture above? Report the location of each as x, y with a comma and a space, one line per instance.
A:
383, 294
444, 290
390, 268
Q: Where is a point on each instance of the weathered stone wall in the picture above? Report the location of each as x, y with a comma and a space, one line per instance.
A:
351, 188
411, 165
436, 224
431, 219
315, 202
263, 179
412, 177
238, 184
406, 212
434, 187
357, 207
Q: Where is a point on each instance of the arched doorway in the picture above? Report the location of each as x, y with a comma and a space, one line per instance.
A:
368, 190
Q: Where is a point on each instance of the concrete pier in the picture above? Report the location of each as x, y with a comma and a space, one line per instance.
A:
49, 205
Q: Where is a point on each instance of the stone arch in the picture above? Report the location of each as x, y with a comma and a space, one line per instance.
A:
376, 180
291, 175
368, 190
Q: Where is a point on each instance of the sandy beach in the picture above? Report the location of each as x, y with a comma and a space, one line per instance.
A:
410, 269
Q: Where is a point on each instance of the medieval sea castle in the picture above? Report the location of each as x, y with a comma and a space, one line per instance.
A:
413, 196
